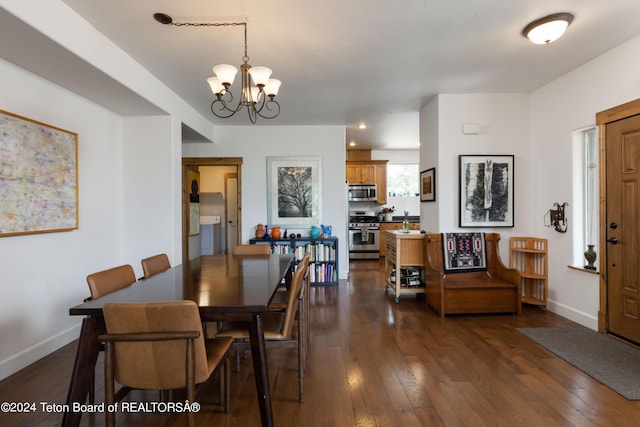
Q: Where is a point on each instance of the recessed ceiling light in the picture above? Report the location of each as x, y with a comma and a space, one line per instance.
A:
362, 126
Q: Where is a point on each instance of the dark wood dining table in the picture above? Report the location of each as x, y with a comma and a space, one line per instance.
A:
225, 287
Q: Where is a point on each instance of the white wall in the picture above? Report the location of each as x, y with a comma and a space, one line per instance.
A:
537, 128
557, 109
255, 143
43, 275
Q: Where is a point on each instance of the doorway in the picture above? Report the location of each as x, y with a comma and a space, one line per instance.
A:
188, 166
619, 229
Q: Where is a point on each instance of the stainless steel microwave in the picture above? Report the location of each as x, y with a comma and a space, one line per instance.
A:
363, 192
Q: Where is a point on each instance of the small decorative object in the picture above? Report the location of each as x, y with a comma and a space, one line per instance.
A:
298, 235
326, 230
590, 255
556, 218
315, 232
266, 233
275, 232
405, 222
260, 231
387, 211
285, 234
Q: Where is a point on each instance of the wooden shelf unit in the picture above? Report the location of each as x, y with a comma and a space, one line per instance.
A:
529, 256
323, 256
403, 250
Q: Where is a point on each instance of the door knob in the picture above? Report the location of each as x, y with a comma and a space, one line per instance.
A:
613, 225
613, 240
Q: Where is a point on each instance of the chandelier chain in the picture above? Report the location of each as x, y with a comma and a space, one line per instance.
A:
245, 59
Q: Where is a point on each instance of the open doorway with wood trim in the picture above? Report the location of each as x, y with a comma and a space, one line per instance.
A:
214, 177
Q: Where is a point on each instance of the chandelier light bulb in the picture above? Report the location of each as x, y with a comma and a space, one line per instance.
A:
260, 75
272, 87
225, 73
216, 86
547, 29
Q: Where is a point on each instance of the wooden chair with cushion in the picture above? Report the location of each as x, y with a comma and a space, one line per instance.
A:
155, 264
278, 326
251, 250
160, 346
464, 274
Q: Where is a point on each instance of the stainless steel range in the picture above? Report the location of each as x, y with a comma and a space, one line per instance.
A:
364, 235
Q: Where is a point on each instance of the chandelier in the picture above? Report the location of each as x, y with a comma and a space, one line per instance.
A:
258, 90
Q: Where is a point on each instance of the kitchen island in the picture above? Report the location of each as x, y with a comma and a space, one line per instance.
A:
404, 263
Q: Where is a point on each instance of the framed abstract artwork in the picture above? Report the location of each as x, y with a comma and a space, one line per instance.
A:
486, 190
294, 190
428, 185
39, 175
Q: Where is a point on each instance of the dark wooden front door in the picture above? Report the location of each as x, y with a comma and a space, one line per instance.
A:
622, 142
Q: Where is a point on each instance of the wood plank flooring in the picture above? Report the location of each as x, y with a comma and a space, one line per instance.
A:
376, 363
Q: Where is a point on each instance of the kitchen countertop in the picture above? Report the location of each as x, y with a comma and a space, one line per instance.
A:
400, 218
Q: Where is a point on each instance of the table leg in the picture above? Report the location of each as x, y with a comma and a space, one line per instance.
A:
84, 367
260, 368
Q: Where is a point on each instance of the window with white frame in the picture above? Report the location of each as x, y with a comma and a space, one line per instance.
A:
587, 200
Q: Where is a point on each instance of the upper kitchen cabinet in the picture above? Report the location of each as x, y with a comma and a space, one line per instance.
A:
369, 172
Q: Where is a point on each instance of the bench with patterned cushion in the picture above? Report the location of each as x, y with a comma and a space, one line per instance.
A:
464, 274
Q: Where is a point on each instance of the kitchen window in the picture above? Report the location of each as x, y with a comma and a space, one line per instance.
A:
403, 179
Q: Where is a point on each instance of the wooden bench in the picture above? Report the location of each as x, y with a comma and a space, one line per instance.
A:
494, 290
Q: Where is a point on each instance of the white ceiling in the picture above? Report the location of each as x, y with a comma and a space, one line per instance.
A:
372, 61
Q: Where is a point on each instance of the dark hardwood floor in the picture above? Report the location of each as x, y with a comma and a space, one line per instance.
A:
376, 363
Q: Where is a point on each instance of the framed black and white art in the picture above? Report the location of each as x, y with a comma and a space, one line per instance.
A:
486, 190
294, 190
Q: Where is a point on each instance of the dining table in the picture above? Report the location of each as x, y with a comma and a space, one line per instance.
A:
225, 287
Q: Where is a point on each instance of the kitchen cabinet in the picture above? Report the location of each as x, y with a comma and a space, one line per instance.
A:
367, 172
405, 254
387, 226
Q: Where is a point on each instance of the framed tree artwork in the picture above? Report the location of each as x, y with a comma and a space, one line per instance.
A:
294, 190
486, 190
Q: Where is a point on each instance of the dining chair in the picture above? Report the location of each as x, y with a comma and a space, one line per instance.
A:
155, 264
110, 280
278, 326
160, 346
251, 250
102, 283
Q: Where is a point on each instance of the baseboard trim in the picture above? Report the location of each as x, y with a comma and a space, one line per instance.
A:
572, 314
36, 352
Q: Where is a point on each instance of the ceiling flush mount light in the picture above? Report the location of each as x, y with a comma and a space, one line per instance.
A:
547, 29
258, 91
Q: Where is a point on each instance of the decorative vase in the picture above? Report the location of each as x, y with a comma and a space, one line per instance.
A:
266, 233
405, 223
315, 232
259, 231
275, 233
590, 255
388, 217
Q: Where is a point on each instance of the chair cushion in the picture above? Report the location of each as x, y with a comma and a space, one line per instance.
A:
464, 252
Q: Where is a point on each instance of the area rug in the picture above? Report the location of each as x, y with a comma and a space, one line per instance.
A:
607, 360
463, 252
